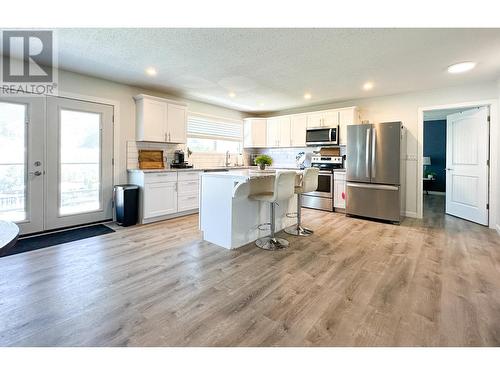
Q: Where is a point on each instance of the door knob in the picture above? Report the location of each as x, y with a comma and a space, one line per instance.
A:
449, 169
36, 173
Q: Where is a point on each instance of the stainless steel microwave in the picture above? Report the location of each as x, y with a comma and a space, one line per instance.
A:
322, 136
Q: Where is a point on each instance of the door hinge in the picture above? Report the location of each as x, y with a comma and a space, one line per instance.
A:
112, 161
488, 162
487, 206
489, 118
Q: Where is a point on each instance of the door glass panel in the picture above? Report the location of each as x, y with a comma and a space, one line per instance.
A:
80, 162
13, 162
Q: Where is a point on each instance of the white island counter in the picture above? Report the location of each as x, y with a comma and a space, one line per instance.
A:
229, 218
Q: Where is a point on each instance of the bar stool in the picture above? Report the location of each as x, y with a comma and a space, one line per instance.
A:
309, 183
284, 184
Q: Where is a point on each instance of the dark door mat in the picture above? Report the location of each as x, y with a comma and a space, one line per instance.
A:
50, 239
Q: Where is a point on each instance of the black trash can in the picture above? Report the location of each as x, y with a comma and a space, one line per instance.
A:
126, 204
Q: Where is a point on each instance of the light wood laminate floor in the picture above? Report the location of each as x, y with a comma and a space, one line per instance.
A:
431, 282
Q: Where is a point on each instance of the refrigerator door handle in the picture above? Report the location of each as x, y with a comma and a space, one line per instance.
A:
367, 165
374, 147
373, 186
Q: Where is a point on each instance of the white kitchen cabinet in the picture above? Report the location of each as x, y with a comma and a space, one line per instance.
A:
254, 132
164, 195
330, 119
339, 191
188, 197
298, 128
273, 132
314, 120
160, 120
151, 120
323, 119
278, 131
284, 129
347, 116
177, 123
160, 198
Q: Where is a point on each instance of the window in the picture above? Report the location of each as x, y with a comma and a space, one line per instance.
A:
208, 134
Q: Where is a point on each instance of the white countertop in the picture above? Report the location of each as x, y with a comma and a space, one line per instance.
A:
136, 170
246, 174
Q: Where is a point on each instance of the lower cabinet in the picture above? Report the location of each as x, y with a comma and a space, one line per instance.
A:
166, 194
339, 191
160, 198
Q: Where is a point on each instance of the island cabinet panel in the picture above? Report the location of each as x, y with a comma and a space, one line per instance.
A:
160, 120
254, 132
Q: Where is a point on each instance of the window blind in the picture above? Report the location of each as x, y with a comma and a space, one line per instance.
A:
206, 127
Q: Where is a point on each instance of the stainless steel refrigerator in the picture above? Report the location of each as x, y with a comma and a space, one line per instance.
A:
373, 171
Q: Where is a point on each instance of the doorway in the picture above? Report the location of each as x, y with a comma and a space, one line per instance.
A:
56, 162
455, 162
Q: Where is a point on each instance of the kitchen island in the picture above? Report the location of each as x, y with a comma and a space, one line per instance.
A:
228, 217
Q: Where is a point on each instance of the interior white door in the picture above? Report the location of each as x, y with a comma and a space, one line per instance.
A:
22, 124
79, 179
467, 140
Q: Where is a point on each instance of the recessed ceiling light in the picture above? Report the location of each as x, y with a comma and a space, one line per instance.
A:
461, 67
232, 94
368, 86
307, 96
151, 71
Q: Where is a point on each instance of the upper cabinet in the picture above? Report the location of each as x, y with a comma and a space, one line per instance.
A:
347, 116
254, 132
160, 120
278, 131
290, 131
298, 128
323, 119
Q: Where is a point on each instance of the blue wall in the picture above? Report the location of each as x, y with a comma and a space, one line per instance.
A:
435, 147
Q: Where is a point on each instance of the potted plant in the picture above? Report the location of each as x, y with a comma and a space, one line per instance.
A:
432, 175
263, 160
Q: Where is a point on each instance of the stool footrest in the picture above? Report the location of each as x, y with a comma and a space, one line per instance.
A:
260, 226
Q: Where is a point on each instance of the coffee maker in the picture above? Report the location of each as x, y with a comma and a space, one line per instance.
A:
179, 160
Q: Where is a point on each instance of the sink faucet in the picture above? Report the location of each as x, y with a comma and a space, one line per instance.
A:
228, 158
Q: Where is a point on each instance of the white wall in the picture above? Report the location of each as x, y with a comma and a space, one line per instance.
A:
94, 87
404, 107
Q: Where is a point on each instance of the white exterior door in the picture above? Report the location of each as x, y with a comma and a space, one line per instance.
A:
467, 150
79, 174
22, 126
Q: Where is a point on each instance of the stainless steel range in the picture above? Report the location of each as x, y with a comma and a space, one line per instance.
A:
322, 198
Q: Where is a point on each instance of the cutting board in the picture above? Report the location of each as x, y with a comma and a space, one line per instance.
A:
151, 159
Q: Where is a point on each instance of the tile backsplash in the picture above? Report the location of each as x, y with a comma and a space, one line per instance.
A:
198, 159
285, 157
133, 148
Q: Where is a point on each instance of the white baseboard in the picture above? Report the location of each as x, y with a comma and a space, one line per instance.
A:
436, 192
410, 214
498, 229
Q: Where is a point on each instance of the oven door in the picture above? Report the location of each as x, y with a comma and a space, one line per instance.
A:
322, 136
325, 186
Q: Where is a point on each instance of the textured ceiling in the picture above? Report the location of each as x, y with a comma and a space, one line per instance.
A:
271, 69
